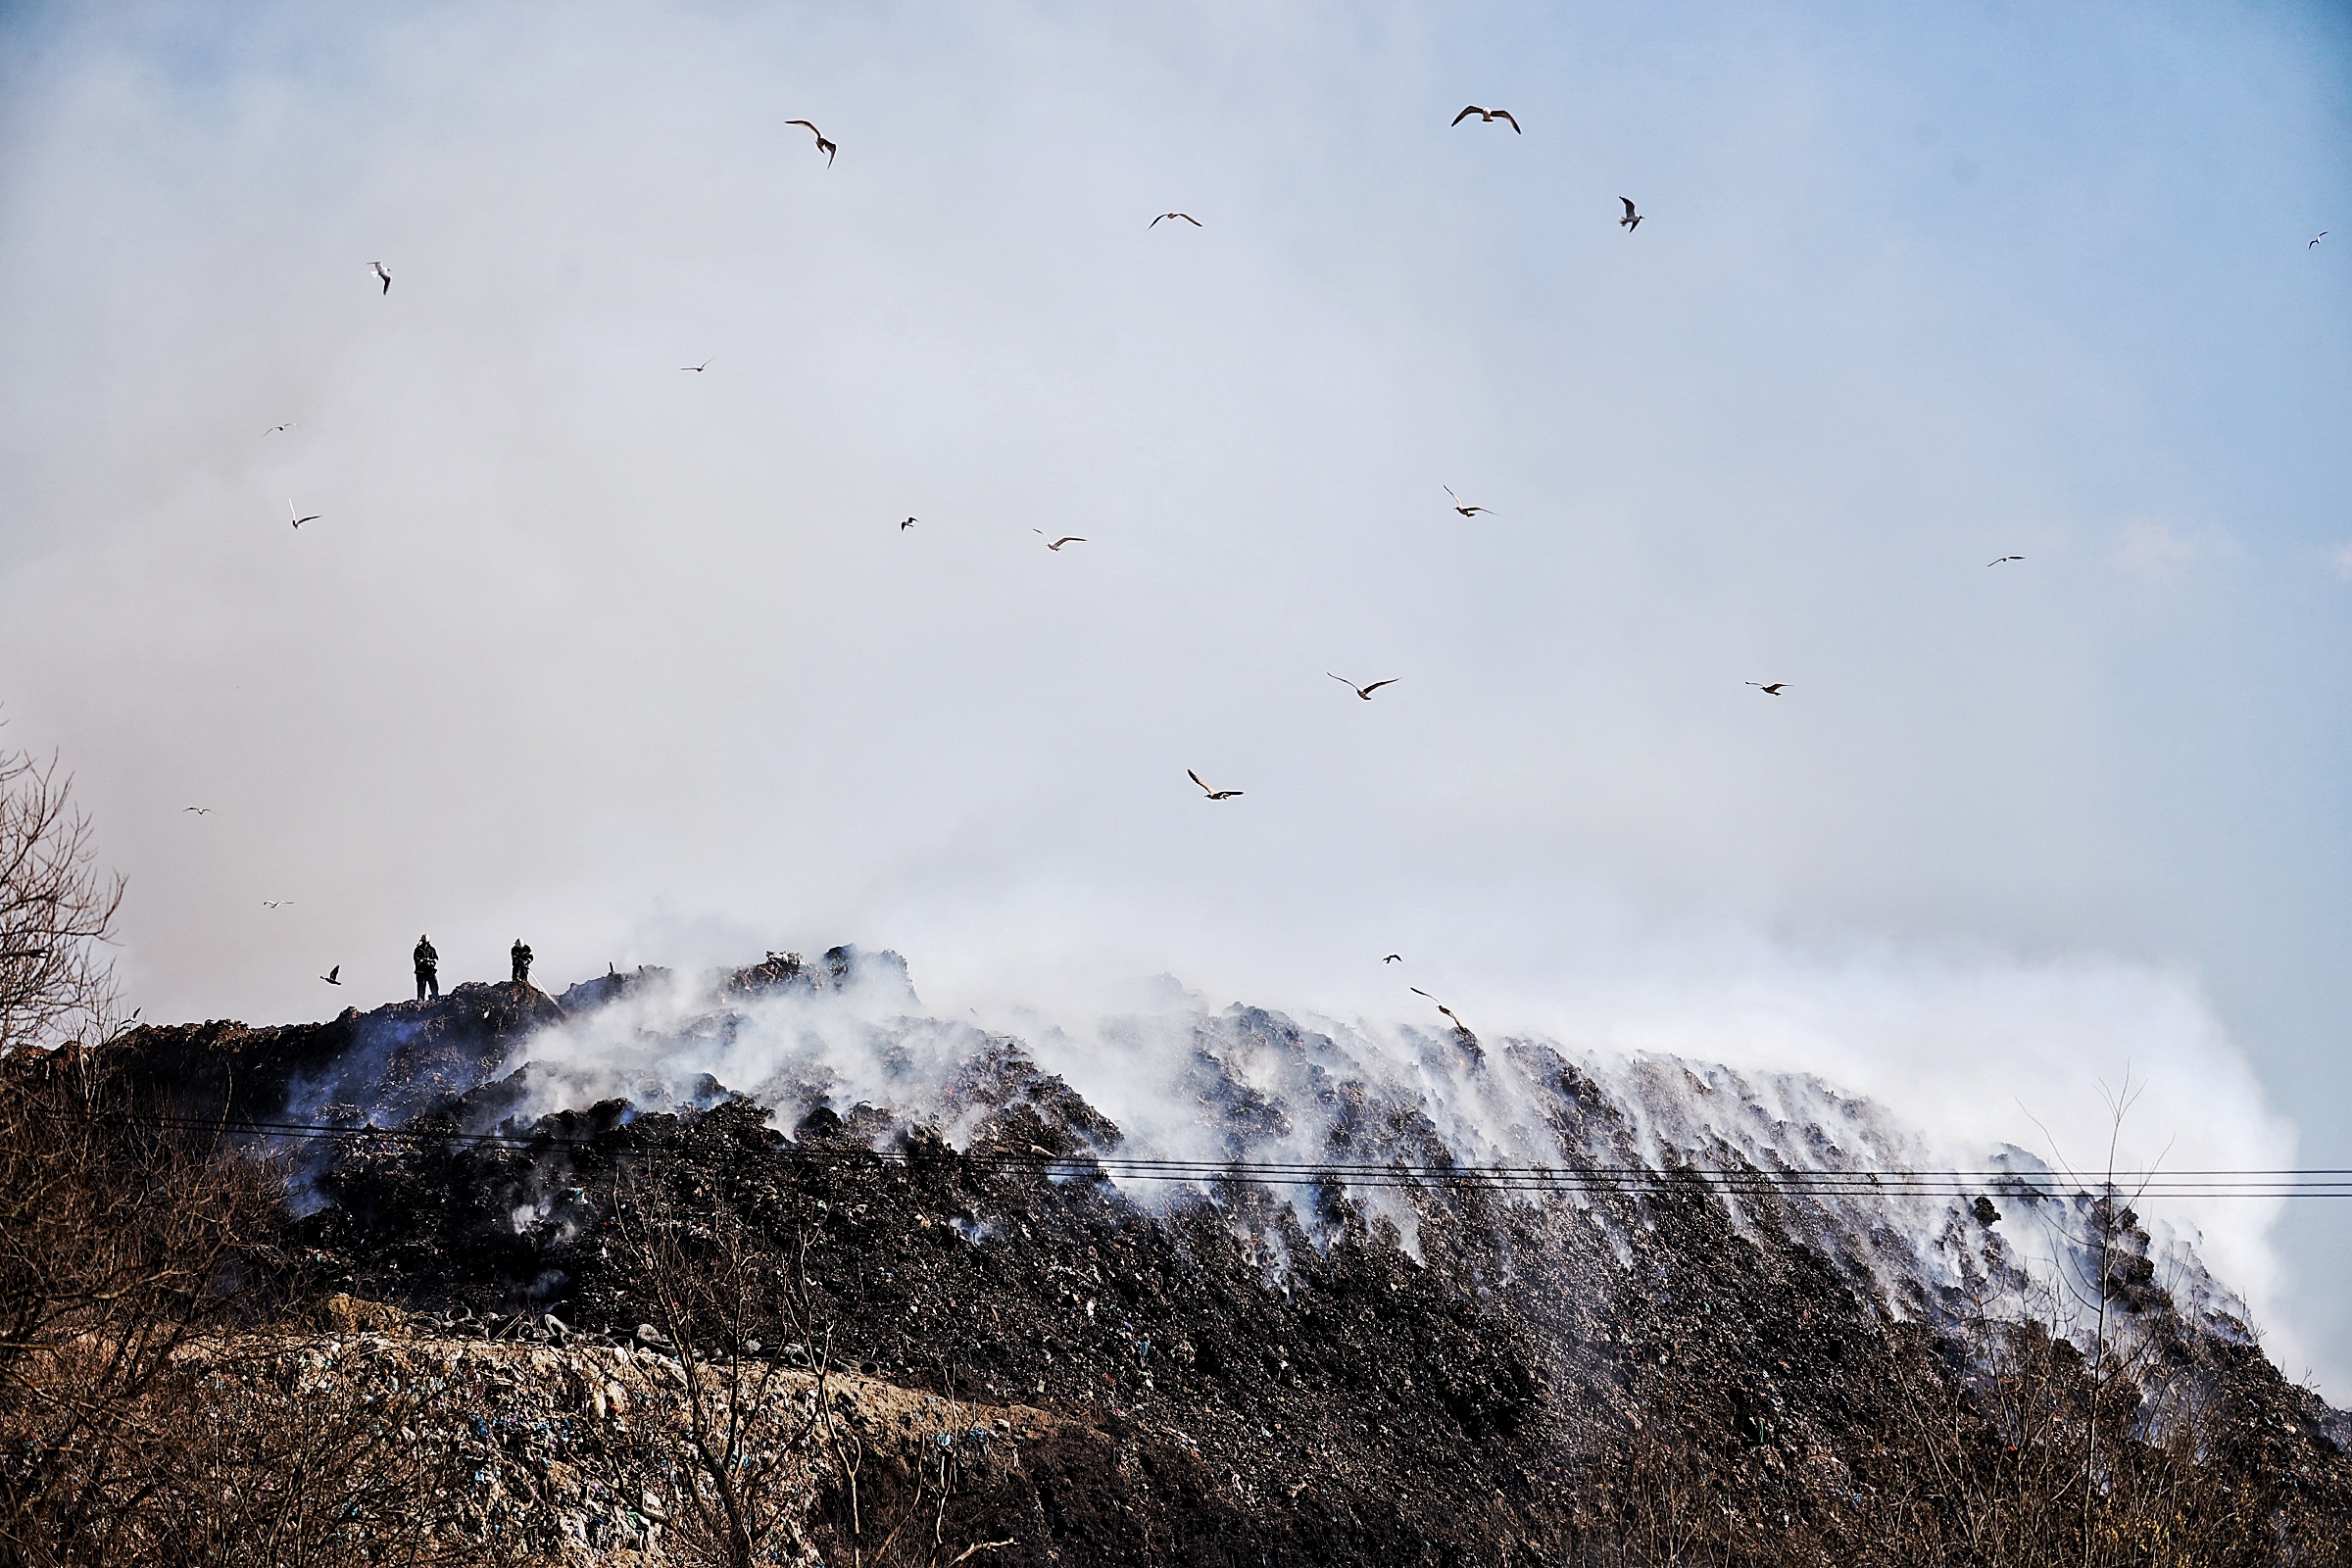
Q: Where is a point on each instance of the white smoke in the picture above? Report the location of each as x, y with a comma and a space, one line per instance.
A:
1979, 1068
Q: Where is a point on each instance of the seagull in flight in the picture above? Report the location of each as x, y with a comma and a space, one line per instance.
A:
822, 145
1632, 220
1187, 216
909, 524
329, 976
276, 429
1467, 511
275, 904
1365, 692
705, 366
1394, 957
384, 272
1460, 1026
1056, 543
300, 521
2322, 234
1773, 690
200, 811
1997, 559
1484, 116
1214, 795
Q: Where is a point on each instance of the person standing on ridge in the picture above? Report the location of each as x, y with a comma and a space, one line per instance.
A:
428, 967
522, 963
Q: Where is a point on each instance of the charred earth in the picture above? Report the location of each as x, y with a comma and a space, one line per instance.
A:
1044, 1357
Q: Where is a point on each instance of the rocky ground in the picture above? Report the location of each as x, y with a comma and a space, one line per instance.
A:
558, 1452
1049, 1372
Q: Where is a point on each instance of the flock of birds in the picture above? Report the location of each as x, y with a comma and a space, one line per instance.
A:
1631, 221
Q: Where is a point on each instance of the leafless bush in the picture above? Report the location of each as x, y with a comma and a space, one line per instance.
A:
771, 1456
121, 1237
55, 910
725, 1303
147, 1412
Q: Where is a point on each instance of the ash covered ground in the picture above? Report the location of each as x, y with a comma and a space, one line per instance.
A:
1639, 1360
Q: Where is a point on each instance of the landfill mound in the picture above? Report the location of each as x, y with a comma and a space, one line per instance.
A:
1334, 1337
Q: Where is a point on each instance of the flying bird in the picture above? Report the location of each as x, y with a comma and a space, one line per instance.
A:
275, 904
2322, 234
275, 429
1460, 1026
298, 520
705, 366
1486, 115
822, 145
1632, 220
1467, 511
329, 976
1394, 957
200, 811
1214, 795
1056, 543
1997, 559
909, 524
1187, 216
385, 274
1365, 692
1773, 690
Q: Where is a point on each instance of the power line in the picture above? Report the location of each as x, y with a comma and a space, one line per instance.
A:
1734, 1181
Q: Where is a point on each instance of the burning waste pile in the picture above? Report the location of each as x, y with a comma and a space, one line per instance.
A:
773, 1267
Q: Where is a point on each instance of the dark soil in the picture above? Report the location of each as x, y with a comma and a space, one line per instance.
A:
1553, 1378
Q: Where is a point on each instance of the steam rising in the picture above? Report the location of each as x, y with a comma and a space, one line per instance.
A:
1184, 1080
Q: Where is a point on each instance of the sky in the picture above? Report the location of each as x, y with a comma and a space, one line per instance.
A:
636, 663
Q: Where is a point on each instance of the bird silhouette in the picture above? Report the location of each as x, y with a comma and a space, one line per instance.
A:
1773, 690
1056, 543
705, 366
1467, 511
1460, 1026
1394, 957
1365, 692
329, 976
822, 145
1632, 220
275, 429
1997, 559
1486, 114
1214, 795
299, 522
275, 904
1187, 216
384, 272
200, 811
909, 524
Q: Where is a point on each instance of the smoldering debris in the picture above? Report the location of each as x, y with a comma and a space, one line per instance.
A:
1399, 1361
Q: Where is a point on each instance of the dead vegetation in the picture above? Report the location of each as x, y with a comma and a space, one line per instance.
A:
146, 1415
768, 1456
1992, 1441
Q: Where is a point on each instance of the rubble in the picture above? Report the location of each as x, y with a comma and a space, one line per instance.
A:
546, 1448
1230, 1374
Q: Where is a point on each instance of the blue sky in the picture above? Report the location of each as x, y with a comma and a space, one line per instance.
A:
636, 661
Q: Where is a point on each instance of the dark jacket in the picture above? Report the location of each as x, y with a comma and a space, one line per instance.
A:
426, 958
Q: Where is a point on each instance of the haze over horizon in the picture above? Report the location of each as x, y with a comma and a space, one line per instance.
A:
638, 665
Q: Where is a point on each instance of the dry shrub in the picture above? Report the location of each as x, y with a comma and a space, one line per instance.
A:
767, 1457
1974, 1456
145, 1416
